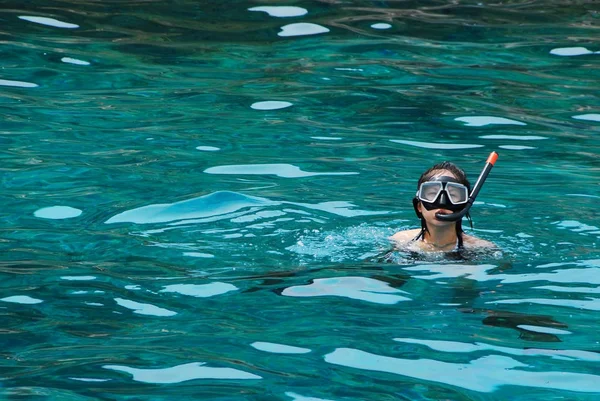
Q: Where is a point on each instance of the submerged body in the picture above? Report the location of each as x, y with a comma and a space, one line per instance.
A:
408, 240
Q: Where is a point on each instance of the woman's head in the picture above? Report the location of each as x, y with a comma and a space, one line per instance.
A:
445, 187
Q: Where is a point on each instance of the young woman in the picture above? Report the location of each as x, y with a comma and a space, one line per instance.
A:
442, 189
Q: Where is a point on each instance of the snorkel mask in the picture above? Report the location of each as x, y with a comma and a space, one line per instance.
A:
445, 193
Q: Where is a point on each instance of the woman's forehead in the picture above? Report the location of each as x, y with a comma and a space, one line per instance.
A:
440, 173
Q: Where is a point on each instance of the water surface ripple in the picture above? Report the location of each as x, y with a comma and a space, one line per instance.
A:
197, 197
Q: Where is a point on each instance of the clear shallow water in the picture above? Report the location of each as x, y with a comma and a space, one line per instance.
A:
195, 195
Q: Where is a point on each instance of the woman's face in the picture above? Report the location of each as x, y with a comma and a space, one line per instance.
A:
429, 215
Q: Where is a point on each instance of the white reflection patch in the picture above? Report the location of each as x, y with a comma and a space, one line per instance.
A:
588, 117
454, 346
207, 148
480, 121
584, 196
541, 329
516, 147
48, 21
75, 61
270, 105
280, 170
485, 374
57, 212
265, 214
523, 235
338, 207
574, 226
474, 272
144, 309
20, 84
479, 273
200, 290
199, 255
279, 348
181, 373
381, 25
87, 379
570, 51
78, 278
302, 29
211, 206
298, 397
588, 276
281, 11
223, 205
22, 299
515, 137
361, 288
589, 304
557, 288
432, 145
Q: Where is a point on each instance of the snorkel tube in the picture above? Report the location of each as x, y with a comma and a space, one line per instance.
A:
480, 180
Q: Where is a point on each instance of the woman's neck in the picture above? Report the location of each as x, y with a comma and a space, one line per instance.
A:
441, 238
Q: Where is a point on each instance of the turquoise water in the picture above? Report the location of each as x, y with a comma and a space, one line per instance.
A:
195, 195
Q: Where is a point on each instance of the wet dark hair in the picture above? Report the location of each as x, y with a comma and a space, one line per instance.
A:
458, 172
461, 176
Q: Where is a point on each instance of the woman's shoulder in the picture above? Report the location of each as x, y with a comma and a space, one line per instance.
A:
474, 242
402, 237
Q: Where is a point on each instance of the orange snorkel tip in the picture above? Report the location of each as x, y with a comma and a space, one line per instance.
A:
492, 158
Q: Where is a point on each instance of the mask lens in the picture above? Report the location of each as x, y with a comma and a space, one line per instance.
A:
429, 191
457, 193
